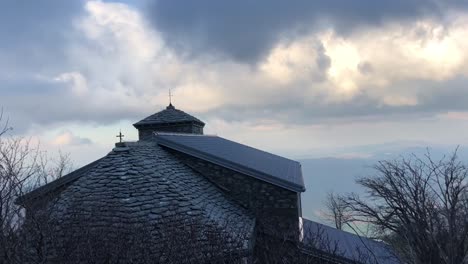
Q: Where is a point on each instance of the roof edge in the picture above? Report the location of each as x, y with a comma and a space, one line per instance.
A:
230, 165
386, 253
53, 185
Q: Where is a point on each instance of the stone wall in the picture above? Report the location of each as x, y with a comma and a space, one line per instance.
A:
270, 203
145, 133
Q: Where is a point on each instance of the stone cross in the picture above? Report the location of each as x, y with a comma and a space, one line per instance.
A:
120, 135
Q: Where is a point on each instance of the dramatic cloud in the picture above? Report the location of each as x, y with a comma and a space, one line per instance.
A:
246, 30
108, 65
117, 67
68, 138
33, 33
298, 78
88, 72
416, 68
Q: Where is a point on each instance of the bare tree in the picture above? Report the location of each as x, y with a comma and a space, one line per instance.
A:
23, 167
419, 206
4, 124
337, 210
51, 168
16, 170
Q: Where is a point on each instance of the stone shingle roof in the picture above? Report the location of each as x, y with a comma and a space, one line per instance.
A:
61, 182
168, 115
143, 184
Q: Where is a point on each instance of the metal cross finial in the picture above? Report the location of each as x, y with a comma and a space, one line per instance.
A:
120, 135
170, 96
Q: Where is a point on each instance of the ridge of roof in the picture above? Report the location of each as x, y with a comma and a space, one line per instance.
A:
64, 180
286, 174
168, 115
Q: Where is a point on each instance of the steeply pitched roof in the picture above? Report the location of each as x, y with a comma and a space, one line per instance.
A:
347, 245
168, 115
142, 183
56, 184
262, 165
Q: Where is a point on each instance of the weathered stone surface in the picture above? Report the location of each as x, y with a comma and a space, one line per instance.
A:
147, 186
265, 200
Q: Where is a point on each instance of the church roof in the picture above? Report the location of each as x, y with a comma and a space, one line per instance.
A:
347, 245
168, 115
56, 184
259, 164
141, 183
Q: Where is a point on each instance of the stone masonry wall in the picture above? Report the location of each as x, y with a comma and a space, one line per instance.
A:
270, 203
146, 133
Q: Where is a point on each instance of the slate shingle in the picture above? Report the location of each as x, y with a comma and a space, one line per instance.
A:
168, 115
145, 186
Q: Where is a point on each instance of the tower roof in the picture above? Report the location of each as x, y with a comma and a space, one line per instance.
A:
167, 116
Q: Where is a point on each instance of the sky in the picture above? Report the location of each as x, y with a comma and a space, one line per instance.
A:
303, 79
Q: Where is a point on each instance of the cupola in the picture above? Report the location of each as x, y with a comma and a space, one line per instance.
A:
169, 120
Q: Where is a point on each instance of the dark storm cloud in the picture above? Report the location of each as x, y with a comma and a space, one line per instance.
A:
37, 41
42, 102
35, 36
246, 29
32, 33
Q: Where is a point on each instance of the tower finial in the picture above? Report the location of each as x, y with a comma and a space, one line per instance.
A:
170, 96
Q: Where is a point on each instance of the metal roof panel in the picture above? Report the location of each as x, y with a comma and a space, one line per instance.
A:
348, 245
265, 166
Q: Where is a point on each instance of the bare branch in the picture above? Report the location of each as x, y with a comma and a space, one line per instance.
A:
5, 126
337, 210
419, 206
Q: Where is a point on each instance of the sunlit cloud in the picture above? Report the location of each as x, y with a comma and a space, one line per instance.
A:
68, 138
319, 86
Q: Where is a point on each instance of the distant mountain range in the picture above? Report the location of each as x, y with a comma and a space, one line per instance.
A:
329, 174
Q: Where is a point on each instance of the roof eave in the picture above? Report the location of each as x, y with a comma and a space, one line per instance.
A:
230, 165
141, 124
54, 185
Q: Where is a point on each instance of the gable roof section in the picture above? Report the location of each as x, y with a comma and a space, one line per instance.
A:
58, 183
347, 245
259, 164
166, 116
143, 184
